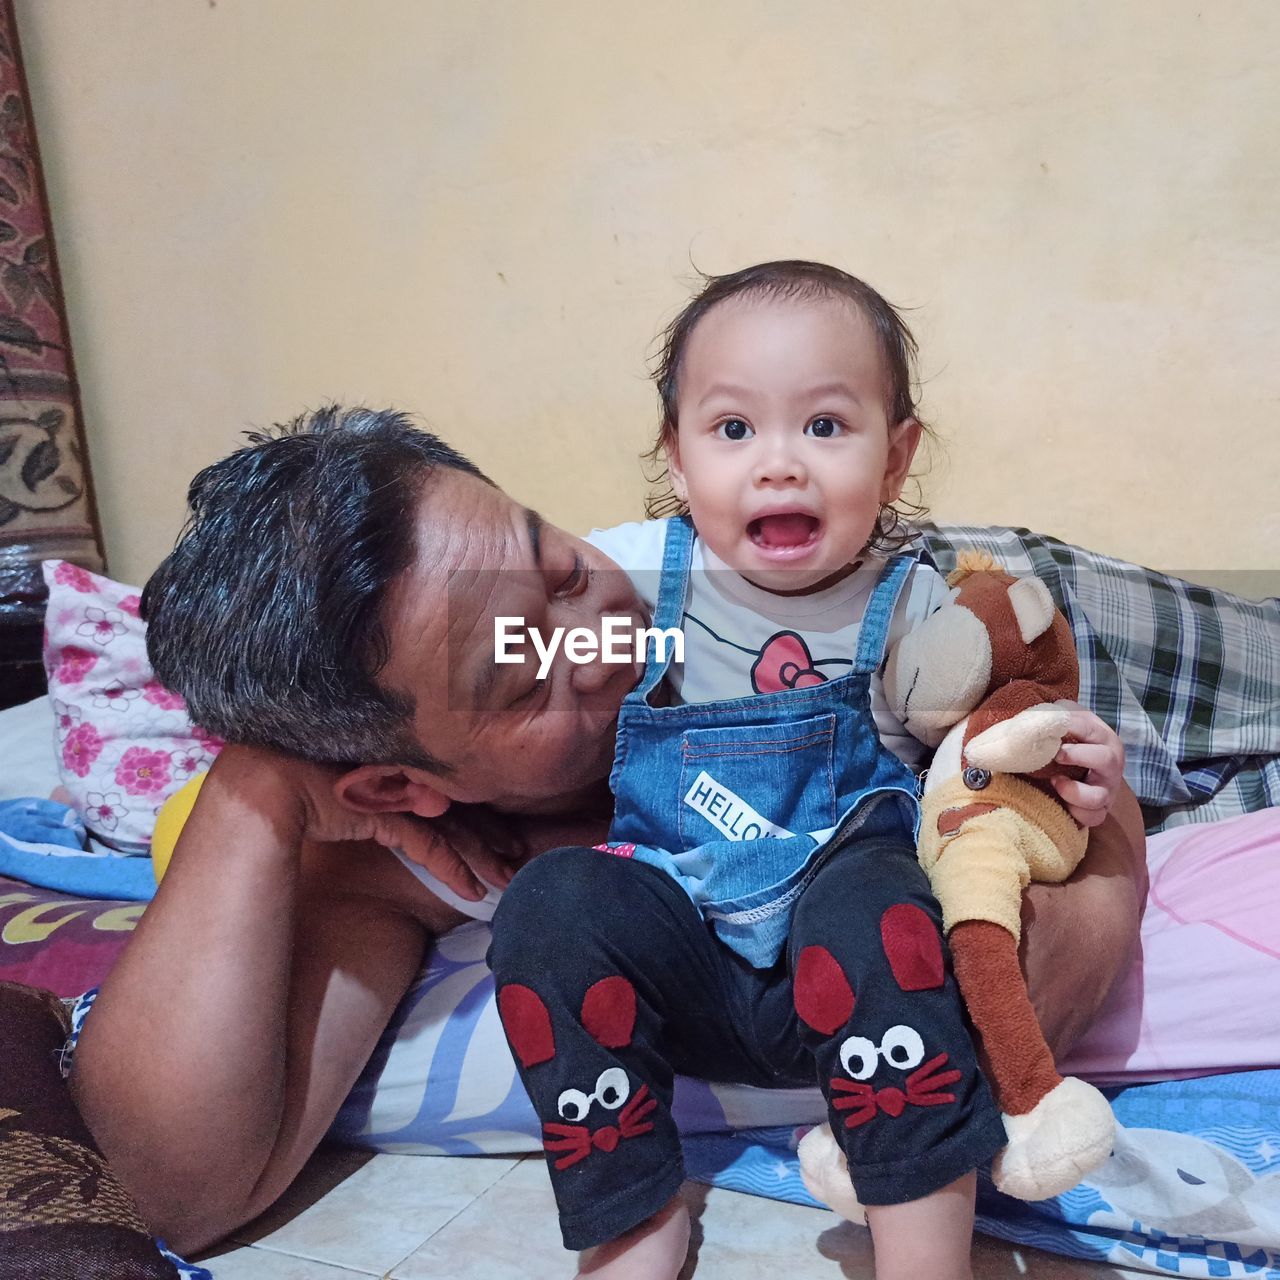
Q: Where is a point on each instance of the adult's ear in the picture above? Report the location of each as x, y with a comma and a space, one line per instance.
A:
390, 788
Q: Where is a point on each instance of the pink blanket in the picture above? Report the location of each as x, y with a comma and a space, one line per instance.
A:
1205, 994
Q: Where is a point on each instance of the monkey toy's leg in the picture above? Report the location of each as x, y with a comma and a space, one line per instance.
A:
1059, 1129
980, 857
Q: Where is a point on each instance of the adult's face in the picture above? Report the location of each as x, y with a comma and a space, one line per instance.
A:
505, 736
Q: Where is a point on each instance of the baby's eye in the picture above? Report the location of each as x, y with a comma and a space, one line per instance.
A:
733, 429
824, 428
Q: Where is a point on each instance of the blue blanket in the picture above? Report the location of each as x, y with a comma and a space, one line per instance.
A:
45, 844
1192, 1188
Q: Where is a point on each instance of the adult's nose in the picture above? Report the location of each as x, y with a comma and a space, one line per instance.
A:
590, 676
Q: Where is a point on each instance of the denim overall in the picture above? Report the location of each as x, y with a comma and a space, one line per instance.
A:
740, 799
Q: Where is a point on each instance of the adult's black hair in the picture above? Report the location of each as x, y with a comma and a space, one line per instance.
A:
266, 616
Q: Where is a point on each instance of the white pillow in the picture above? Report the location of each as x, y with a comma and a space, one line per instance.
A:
28, 763
125, 743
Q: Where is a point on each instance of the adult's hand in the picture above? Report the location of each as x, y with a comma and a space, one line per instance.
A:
1095, 748
303, 796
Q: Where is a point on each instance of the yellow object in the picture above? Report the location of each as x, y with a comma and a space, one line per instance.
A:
170, 820
27, 926
970, 561
980, 867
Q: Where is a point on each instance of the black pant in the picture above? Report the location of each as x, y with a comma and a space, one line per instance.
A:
610, 982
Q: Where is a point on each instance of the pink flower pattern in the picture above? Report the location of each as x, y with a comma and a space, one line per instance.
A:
212, 743
73, 576
83, 746
143, 772
114, 697
101, 625
186, 764
104, 811
156, 694
67, 716
75, 665
125, 741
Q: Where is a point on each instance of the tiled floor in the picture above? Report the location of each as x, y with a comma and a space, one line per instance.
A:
413, 1217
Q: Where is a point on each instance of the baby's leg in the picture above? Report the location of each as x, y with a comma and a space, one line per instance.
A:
926, 1237
603, 968
657, 1247
880, 1013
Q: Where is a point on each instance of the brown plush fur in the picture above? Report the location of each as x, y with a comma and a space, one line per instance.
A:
986, 965
984, 938
1022, 675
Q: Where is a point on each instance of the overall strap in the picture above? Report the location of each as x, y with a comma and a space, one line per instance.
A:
873, 634
673, 588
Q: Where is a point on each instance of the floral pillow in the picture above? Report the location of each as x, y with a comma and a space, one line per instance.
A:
125, 742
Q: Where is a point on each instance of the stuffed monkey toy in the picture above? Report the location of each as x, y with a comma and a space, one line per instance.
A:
979, 680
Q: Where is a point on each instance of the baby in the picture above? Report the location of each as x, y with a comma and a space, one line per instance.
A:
764, 918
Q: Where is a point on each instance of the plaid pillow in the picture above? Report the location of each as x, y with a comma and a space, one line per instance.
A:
1188, 677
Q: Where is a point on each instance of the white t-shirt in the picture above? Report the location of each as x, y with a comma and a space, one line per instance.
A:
729, 623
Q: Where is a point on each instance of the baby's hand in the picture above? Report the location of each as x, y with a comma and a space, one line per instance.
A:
1095, 747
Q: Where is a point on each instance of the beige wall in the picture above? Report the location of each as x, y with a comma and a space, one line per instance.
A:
483, 211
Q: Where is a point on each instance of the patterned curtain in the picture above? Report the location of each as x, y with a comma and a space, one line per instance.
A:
46, 495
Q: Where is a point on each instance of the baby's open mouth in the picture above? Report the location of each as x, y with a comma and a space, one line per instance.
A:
783, 531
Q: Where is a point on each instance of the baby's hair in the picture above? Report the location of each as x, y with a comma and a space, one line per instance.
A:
799, 280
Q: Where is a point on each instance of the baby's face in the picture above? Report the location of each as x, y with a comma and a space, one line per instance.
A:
784, 450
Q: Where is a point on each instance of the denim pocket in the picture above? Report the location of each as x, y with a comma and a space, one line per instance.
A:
748, 783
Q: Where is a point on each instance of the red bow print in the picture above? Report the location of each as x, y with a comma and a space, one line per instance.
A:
577, 1140
922, 1091
784, 663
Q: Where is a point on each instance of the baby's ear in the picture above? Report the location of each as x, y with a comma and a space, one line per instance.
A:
675, 472
389, 788
904, 439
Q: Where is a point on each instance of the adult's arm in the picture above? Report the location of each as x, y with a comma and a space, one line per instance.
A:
1079, 937
246, 1003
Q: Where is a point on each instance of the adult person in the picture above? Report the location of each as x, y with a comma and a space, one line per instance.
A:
330, 612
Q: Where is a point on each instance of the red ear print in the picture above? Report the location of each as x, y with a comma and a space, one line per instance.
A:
527, 1023
822, 994
914, 949
609, 1012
